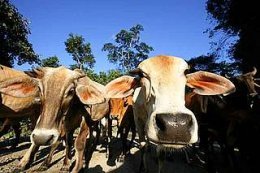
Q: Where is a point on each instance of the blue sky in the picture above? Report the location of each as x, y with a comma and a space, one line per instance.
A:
172, 27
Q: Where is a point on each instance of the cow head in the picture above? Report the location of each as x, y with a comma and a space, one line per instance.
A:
56, 88
119, 107
245, 90
245, 83
159, 88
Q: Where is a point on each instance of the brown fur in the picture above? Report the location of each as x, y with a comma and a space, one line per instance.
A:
121, 109
12, 109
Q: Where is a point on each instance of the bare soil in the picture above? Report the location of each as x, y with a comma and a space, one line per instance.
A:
9, 158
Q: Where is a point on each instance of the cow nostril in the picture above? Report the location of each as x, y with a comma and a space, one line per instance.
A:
33, 135
51, 137
160, 123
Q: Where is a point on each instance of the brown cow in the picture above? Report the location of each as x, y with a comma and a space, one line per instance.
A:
121, 109
12, 109
225, 116
159, 105
89, 126
57, 89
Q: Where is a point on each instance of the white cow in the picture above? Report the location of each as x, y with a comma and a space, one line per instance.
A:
159, 100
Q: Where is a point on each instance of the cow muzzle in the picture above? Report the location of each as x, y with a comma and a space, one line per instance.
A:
44, 136
174, 128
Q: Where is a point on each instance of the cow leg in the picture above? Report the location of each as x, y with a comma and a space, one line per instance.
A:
17, 131
125, 148
46, 163
109, 135
68, 156
92, 143
133, 129
143, 145
28, 157
143, 150
80, 144
5, 127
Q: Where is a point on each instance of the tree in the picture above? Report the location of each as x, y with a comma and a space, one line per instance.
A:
14, 42
128, 51
52, 61
212, 64
81, 52
237, 18
103, 77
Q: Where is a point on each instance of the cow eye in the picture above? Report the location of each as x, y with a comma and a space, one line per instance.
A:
70, 92
125, 104
187, 71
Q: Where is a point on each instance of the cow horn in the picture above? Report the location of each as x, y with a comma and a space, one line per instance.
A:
36, 73
79, 70
254, 71
135, 71
226, 76
256, 85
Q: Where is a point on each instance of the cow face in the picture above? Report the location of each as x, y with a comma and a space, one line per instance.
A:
56, 88
119, 107
245, 83
159, 90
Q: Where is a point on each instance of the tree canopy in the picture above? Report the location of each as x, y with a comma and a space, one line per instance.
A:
80, 51
212, 64
238, 18
103, 77
128, 50
14, 30
52, 61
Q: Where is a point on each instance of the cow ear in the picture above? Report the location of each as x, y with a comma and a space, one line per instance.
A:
206, 83
89, 94
20, 87
121, 87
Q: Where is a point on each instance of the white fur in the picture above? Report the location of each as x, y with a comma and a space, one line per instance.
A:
44, 132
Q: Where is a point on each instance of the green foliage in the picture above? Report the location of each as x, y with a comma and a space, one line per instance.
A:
237, 18
103, 77
128, 51
13, 37
81, 52
211, 64
52, 61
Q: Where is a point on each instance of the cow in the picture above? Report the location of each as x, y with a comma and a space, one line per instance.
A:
121, 109
13, 109
90, 127
161, 118
226, 116
57, 89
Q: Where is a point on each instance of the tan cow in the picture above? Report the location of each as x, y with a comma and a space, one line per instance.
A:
12, 109
159, 104
57, 88
89, 126
121, 109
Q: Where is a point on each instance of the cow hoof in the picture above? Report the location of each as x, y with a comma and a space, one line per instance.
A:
21, 168
111, 163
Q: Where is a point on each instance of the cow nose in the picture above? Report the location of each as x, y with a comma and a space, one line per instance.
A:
42, 138
174, 127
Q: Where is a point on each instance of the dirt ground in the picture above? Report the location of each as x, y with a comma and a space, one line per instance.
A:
98, 164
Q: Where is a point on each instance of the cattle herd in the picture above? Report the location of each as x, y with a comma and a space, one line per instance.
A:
169, 109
